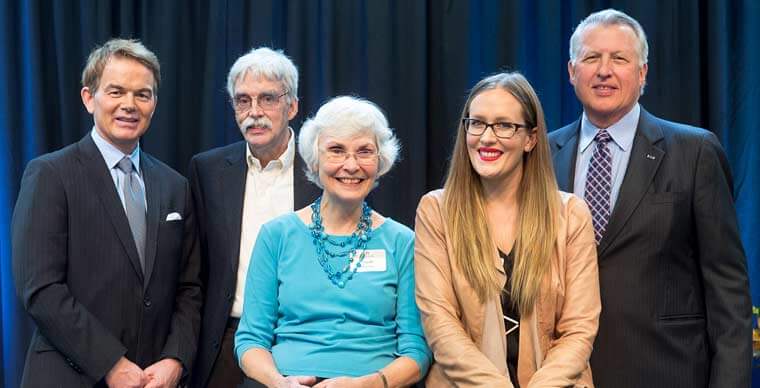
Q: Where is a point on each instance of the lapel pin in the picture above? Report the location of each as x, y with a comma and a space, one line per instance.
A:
651, 157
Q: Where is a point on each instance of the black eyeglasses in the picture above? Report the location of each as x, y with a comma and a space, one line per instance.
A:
502, 129
266, 101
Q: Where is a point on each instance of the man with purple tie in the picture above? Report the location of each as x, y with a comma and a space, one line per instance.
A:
672, 270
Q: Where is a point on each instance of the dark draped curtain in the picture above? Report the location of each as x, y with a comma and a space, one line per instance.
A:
414, 58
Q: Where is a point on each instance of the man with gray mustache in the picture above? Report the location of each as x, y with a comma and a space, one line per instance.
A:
236, 189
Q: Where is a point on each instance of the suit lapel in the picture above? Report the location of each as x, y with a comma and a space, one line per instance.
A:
105, 190
232, 185
153, 197
304, 192
646, 155
564, 157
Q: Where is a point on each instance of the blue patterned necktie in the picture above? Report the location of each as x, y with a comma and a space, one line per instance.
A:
134, 204
599, 184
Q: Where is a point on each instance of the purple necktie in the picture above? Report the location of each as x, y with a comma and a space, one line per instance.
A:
599, 184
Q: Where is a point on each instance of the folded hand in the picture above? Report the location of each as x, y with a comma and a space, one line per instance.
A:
296, 382
341, 382
164, 374
126, 374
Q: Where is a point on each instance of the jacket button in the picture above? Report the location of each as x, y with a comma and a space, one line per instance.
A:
229, 296
147, 302
216, 344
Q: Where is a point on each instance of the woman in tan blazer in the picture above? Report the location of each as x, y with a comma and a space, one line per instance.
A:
505, 264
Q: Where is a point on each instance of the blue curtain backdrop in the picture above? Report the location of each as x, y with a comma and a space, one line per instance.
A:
416, 59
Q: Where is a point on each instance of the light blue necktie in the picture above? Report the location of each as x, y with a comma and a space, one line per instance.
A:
134, 203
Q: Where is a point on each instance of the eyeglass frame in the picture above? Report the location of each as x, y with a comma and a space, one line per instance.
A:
360, 161
513, 126
258, 101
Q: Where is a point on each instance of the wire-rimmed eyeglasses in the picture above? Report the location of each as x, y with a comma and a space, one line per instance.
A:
266, 101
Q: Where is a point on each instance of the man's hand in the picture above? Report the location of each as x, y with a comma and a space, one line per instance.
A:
126, 374
296, 382
164, 374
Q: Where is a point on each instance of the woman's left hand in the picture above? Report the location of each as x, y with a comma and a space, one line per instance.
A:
346, 382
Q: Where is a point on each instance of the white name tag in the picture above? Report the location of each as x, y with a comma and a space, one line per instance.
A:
374, 261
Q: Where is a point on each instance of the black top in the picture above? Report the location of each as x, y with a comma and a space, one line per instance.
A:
511, 320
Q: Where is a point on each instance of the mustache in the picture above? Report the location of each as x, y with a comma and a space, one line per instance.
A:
260, 122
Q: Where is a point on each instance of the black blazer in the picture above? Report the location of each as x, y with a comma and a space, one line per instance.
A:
673, 277
217, 178
77, 271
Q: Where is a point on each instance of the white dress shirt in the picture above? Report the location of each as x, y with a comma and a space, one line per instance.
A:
268, 194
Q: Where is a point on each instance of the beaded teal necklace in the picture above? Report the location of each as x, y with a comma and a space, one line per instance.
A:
341, 251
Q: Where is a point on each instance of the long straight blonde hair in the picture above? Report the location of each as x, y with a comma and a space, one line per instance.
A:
464, 206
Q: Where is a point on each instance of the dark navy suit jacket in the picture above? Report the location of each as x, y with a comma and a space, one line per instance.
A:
673, 274
77, 271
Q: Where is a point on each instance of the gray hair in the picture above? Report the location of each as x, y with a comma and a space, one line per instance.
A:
609, 17
344, 117
270, 64
120, 48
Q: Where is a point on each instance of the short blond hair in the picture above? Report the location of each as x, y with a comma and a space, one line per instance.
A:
609, 17
121, 48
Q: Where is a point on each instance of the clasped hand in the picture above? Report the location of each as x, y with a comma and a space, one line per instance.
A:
126, 374
309, 381
341, 382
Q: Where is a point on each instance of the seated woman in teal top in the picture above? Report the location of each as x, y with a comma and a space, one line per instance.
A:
329, 298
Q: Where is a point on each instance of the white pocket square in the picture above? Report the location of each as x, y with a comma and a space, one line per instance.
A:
173, 217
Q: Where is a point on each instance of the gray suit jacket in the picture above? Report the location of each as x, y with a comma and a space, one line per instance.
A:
77, 271
673, 274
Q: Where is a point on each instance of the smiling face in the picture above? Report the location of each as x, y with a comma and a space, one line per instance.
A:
265, 130
606, 75
496, 159
123, 103
348, 167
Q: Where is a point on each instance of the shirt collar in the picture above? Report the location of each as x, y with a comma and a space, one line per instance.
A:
283, 162
113, 155
622, 132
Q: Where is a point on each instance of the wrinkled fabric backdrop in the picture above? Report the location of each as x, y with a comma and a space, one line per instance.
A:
416, 59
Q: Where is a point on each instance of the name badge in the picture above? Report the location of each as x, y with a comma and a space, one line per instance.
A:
374, 261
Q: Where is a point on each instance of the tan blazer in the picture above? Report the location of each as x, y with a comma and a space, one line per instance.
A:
468, 338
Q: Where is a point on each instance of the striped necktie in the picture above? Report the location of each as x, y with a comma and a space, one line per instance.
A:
134, 204
599, 184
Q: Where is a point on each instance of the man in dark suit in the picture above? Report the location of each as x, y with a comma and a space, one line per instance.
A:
236, 189
673, 278
105, 253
